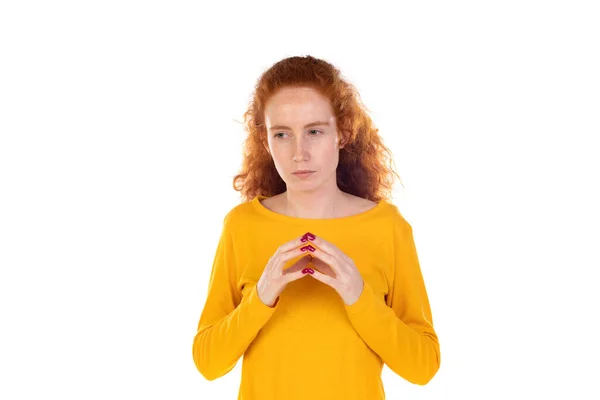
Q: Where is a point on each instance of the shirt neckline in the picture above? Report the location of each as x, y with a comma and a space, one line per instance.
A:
258, 206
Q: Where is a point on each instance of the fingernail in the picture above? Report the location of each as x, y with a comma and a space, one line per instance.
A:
304, 239
305, 248
310, 236
310, 248
308, 271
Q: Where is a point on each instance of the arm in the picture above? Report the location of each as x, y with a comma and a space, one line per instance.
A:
228, 323
400, 330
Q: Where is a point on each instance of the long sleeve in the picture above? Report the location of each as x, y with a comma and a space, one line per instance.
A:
400, 330
229, 321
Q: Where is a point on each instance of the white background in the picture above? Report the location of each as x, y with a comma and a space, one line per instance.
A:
121, 131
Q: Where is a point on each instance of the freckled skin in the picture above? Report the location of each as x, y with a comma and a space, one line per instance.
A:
315, 148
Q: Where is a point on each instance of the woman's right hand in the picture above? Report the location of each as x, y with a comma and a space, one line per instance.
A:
274, 279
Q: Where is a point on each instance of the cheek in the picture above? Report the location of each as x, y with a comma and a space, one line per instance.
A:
277, 152
329, 150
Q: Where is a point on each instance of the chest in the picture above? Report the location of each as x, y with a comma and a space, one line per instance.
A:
370, 255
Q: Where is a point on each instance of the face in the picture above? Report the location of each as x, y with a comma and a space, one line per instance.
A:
302, 134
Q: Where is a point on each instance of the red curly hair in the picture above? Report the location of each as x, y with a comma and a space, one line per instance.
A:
365, 164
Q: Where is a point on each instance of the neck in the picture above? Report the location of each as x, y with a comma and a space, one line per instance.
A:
315, 204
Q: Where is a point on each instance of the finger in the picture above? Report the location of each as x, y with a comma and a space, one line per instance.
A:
333, 262
324, 268
283, 258
326, 279
287, 278
292, 244
298, 265
285, 248
329, 247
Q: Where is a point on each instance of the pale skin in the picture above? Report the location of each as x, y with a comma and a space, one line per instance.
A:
302, 134
338, 270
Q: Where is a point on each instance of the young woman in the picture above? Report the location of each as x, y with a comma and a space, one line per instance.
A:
316, 280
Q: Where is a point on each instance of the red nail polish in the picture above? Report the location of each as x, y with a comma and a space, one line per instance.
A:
305, 248
308, 271
310, 248
310, 236
304, 239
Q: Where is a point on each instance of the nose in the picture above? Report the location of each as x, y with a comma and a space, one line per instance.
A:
300, 150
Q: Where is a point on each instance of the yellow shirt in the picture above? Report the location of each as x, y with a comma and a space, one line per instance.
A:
311, 345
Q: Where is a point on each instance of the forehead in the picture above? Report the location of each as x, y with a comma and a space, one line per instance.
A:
299, 103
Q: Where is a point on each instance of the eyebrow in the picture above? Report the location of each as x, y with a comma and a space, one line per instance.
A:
305, 126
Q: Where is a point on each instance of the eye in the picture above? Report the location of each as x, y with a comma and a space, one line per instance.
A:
314, 130
278, 133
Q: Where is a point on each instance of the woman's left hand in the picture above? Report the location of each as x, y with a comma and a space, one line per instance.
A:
339, 270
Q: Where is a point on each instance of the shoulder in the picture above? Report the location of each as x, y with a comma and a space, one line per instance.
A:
238, 215
388, 218
394, 216
360, 204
